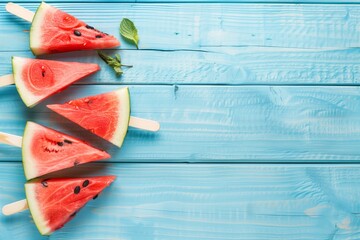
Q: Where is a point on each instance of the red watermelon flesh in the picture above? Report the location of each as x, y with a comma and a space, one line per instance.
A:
54, 202
46, 150
106, 115
37, 79
54, 31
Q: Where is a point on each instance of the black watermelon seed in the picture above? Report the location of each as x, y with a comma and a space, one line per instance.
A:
89, 27
67, 141
98, 36
76, 162
95, 197
85, 183
77, 33
77, 189
44, 183
60, 144
72, 215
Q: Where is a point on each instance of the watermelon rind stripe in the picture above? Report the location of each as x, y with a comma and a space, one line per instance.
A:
28, 164
28, 98
123, 95
35, 209
36, 29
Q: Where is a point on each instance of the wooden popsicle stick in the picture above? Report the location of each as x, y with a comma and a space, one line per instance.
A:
15, 207
136, 122
144, 124
10, 139
19, 11
6, 80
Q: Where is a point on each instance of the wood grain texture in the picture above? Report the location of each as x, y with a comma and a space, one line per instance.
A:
197, 1
218, 66
184, 26
223, 123
201, 201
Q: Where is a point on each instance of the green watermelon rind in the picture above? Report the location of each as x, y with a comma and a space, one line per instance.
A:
35, 209
27, 97
35, 30
123, 95
29, 166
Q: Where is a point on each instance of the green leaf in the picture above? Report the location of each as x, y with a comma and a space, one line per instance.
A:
114, 62
129, 31
118, 71
117, 56
104, 57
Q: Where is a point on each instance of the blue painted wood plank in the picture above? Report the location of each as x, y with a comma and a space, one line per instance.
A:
197, 1
202, 201
220, 66
196, 26
216, 124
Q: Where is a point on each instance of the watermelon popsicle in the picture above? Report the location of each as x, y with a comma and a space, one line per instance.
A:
68, 196
45, 150
54, 31
37, 79
106, 115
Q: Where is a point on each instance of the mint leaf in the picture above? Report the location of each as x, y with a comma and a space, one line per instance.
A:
114, 62
129, 31
118, 58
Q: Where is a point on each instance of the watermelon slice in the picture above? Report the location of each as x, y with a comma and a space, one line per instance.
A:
45, 150
54, 202
106, 115
54, 31
37, 79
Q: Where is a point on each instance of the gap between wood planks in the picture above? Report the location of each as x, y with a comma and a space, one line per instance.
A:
211, 48
244, 164
120, 84
264, 163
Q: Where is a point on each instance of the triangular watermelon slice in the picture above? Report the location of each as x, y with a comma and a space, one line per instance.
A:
37, 79
54, 202
106, 115
45, 150
54, 31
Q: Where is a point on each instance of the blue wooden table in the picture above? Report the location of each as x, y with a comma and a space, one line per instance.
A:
259, 105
